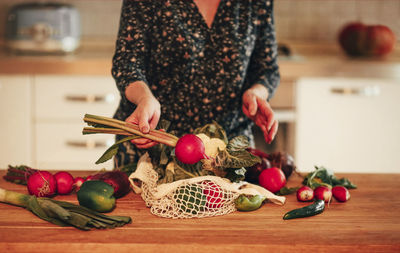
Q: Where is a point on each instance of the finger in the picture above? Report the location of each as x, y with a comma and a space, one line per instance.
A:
154, 120
144, 123
266, 110
270, 135
252, 102
148, 145
140, 141
132, 119
246, 112
274, 129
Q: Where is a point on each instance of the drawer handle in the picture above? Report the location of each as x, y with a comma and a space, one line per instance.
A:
89, 144
89, 98
368, 91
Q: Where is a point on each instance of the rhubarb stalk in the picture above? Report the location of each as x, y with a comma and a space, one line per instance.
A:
107, 125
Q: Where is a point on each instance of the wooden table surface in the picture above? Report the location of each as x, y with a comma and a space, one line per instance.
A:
368, 222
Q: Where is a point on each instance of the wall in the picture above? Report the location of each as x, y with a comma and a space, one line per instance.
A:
317, 20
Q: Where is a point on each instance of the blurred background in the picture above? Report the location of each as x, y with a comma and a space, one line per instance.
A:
335, 110
295, 19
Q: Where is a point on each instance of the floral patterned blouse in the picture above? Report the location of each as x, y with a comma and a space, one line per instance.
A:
197, 73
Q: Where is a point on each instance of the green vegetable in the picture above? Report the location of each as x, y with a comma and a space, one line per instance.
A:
315, 208
242, 203
323, 176
63, 213
191, 199
96, 195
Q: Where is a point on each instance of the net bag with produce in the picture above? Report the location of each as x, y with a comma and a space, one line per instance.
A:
197, 197
197, 175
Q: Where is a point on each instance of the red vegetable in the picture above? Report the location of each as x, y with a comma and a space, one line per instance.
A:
305, 194
272, 179
340, 193
65, 182
117, 179
323, 193
190, 149
358, 39
253, 172
281, 160
42, 184
78, 181
214, 195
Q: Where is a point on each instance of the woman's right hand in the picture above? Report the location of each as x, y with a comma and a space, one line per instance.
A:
146, 115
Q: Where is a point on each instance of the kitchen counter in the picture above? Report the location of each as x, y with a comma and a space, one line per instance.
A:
368, 222
94, 57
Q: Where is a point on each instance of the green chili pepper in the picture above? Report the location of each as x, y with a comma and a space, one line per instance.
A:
190, 199
315, 208
245, 204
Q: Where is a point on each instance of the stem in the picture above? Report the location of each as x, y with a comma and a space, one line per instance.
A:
14, 198
155, 135
104, 130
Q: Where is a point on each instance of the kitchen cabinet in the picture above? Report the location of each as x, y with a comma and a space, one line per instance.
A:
348, 124
15, 116
46, 130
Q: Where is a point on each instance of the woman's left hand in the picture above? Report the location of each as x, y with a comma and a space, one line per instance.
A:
256, 107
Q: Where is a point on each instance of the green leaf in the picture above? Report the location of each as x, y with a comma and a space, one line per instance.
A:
235, 174
286, 191
213, 130
113, 150
237, 159
238, 143
322, 176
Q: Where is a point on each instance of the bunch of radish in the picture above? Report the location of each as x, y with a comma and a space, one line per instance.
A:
45, 184
306, 193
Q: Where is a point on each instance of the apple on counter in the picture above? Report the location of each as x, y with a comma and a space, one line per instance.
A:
358, 39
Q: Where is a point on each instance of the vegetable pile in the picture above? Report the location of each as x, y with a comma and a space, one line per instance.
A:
320, 186
96, 194
207, 151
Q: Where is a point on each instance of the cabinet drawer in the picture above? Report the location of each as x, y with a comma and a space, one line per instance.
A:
70, 97
15, 115
348, 125
62, 146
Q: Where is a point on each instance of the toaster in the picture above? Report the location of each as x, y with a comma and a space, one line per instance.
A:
43, 28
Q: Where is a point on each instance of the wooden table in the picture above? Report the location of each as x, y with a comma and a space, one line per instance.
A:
368, 222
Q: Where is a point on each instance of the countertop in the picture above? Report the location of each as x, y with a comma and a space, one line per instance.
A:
309, 59
368, 222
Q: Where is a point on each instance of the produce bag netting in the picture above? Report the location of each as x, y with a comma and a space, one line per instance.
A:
197, 197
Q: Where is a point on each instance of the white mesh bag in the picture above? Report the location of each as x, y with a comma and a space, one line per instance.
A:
198, 197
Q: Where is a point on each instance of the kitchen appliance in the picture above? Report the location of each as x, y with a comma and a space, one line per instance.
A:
43, 28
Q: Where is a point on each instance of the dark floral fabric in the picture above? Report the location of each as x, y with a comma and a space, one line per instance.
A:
198, 73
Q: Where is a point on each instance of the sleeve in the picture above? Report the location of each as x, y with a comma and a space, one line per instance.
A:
129, 60
263, 67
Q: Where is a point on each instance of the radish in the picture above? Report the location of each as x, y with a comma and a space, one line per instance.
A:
323, 193
214, 194
190, 149
42, 184
272, 179
65, 182
78, 181
340, 193
305, 194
